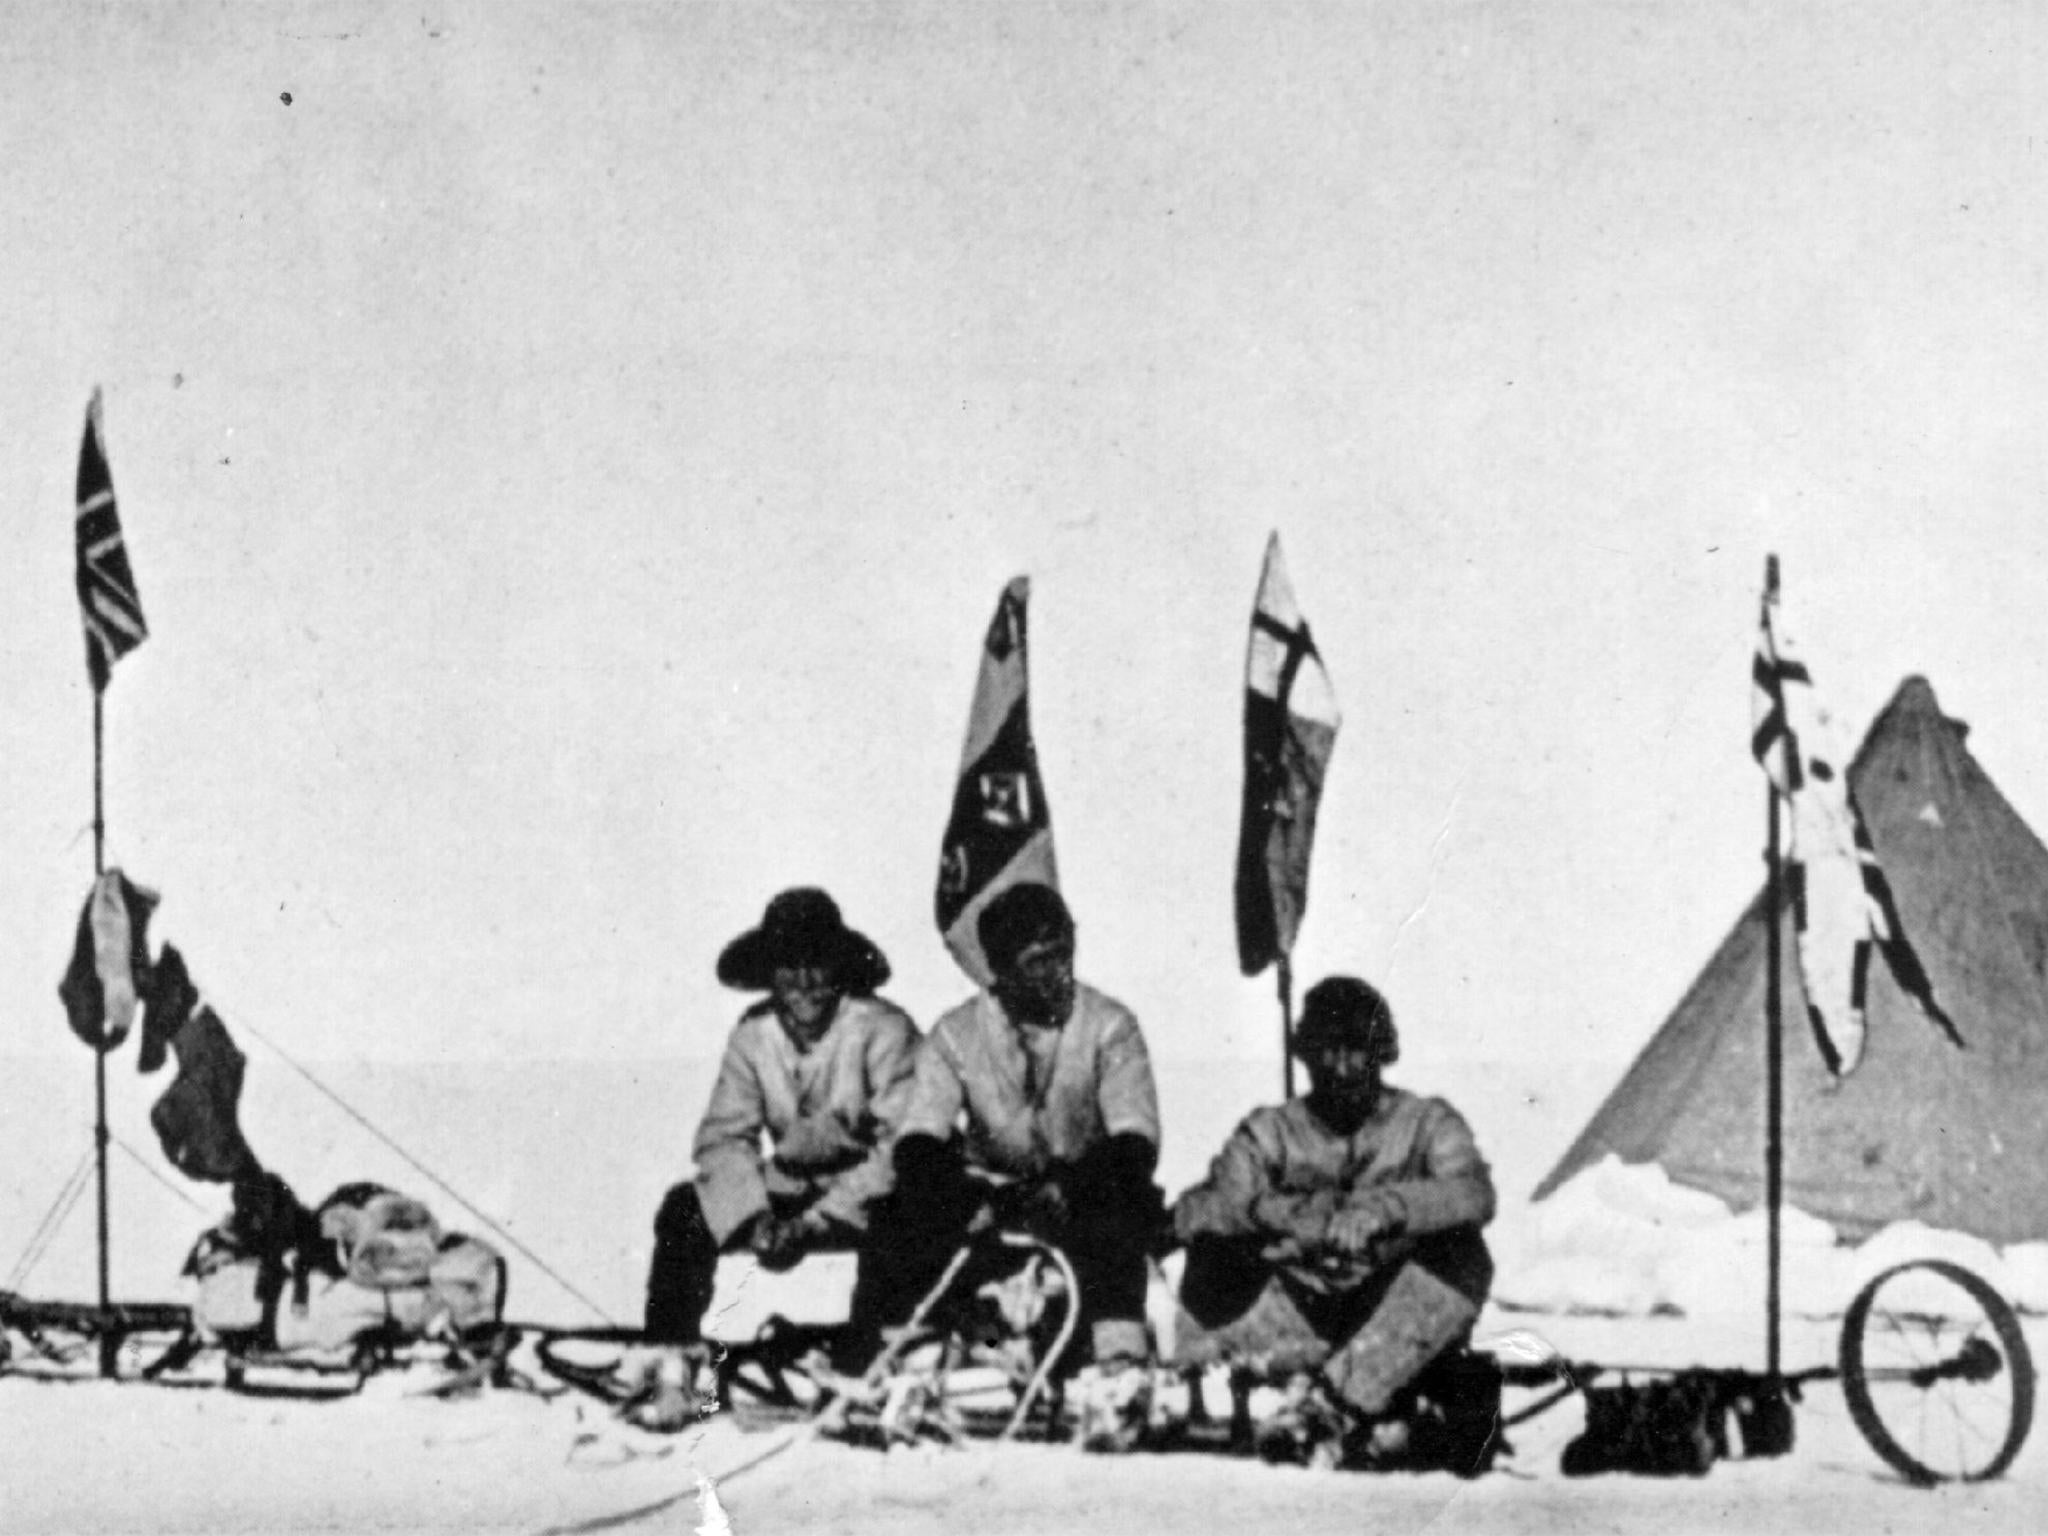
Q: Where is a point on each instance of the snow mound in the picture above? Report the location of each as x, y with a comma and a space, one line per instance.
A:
1623, 1240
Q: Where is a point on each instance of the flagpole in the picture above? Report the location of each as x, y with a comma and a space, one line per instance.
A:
1286, 982
1774, 1053
108, 1343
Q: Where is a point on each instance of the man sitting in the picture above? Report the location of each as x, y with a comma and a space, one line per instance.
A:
820, 1069
1034, 1107
1336, 1239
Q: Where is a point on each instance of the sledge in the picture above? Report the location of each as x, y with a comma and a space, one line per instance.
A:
980, 1355
1933, 1366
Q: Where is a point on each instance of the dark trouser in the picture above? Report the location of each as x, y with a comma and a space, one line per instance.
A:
1105, 1237
1383, 1330
684, 1272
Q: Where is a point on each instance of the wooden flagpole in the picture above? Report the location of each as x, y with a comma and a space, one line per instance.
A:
1774, 1031
109, 1344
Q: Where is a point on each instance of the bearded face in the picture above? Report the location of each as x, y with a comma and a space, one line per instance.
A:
1037, 985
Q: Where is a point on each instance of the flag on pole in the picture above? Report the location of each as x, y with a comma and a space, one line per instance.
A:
1290, 726
107, 599
1841, 901
1000, 832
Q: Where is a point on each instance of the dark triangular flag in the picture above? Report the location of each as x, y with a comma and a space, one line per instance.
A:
1000, 831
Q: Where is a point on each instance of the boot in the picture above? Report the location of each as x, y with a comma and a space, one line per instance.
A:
1116, 1405
665, 1387
1308, 1429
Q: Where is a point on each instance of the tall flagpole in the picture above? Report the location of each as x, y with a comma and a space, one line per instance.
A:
108, 1343
111, 610
1774, 1042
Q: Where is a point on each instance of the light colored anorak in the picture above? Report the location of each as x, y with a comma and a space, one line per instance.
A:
827, 1111
1283, 1174
1026, 1097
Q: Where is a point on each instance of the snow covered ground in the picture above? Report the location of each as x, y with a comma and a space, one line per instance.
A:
98, 1458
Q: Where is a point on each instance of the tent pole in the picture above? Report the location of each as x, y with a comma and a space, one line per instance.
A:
108, 1343
1774, 1086
1286, 983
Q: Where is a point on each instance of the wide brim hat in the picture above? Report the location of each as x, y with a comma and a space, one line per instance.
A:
803, 927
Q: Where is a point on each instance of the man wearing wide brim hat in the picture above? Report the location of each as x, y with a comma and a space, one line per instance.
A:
1337, 1237
792, 1150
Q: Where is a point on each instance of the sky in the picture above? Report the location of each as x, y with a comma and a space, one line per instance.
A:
569, 456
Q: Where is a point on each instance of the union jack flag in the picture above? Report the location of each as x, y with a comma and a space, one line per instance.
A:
1842, 903
1771, 740
107, 599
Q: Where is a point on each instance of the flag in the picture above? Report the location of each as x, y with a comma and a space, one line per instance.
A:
1290, 726
109, 961
1841, 901
107, 599
1000, 832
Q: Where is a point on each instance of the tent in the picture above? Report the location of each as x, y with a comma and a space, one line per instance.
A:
1921, 1130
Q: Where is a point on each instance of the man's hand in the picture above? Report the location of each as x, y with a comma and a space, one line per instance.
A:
778, 1244
1301, 1220
1355, 1228
1040, 1206
1047, 1208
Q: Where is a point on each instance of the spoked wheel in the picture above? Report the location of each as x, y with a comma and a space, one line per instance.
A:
1937, 1374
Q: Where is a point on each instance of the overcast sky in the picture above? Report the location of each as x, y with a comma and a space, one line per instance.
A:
569, 457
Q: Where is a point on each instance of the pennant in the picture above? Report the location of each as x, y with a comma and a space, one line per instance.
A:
107, 599
109, 961
1000, 831
1841, 901
1290, 727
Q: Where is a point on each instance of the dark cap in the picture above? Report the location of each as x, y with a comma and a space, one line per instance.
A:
1345, 1011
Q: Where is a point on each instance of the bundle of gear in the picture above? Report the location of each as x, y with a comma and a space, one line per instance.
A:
367, 1263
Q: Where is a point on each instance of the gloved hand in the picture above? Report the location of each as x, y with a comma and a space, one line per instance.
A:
1357, 1226
1045, 1206
778, 1243
923, 1163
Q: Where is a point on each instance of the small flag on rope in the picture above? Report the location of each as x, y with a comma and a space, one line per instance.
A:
107, 598
1842, 904
1290, 726
1000, 832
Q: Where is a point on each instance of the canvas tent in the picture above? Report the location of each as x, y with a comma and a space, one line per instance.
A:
1920, 1130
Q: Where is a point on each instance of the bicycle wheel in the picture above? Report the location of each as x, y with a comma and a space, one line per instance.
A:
1937, 1374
